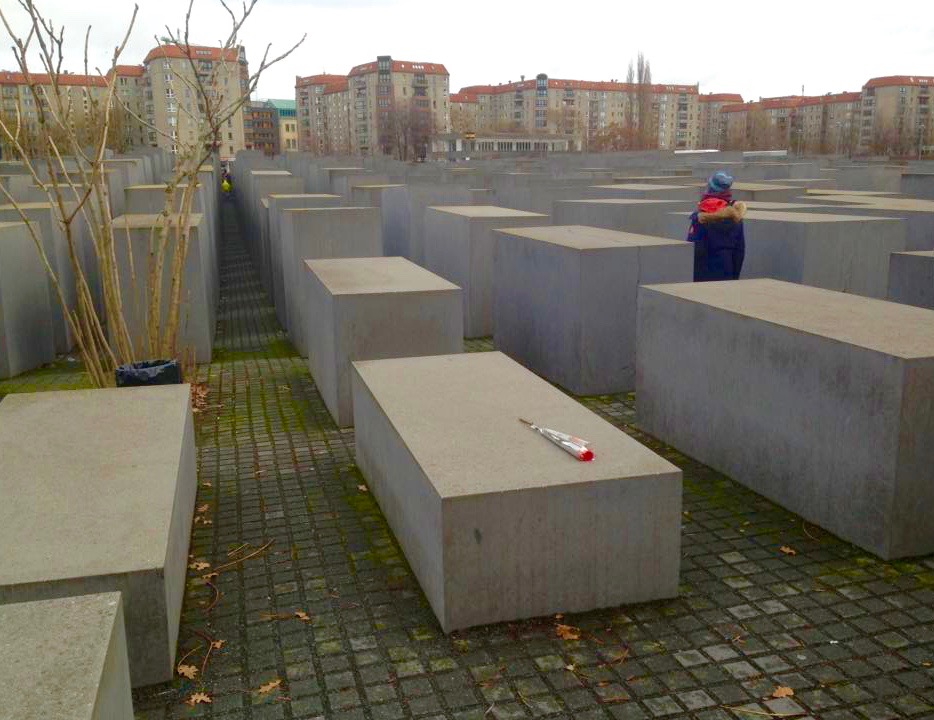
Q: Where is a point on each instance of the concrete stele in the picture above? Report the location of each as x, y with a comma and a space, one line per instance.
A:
65, 658
101, 487
497, 523
816, 399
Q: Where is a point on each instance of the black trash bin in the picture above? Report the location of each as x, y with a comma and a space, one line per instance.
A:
156, 372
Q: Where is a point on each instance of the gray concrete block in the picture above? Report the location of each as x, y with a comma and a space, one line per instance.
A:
55, 245
65, 658
372, 309
565, 300
198, 314
643, 217
497, 523
848, 253
344, 183
460, 246
320, 233
917, 215
818, 400
911, 278
26, 335
645, 191
918, 185
103, 483
370, 194
277, 204
404, 216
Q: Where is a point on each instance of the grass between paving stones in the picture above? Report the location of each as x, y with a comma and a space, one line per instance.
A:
329, 621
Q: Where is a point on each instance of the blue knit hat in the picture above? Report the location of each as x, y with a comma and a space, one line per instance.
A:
719, 182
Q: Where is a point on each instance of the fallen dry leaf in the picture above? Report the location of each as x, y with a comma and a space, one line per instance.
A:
199, 565
218, 644
206, 483
209, 576
570, 668
199, 698
269, 687
203, 508
302, 615
568, 632
188, 671
199, 397
788, 551
782, 692
270, 617
363, 488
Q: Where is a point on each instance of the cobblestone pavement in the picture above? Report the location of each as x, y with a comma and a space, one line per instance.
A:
328, 620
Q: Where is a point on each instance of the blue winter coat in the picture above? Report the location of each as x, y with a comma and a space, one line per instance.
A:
719, 243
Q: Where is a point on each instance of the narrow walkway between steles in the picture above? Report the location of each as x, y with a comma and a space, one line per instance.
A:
299, 603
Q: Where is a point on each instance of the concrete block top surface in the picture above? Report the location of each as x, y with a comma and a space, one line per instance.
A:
378, 186
101, 495
137, 222
311, 211
770, 205
53, 655
484, 211
625, 201
459, 416
918, 253
344, 169
281, 173
867, 193
290, 196
641, 186
583, 237
808, 218
376, 276
28, 206
756, 187
885, 204
891, 328
265, 202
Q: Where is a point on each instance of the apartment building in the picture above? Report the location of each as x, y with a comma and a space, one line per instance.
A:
895, 115
171, 76
261, 127
369, 110
581, 109
465, 113
711, 130
287, 120
313, 129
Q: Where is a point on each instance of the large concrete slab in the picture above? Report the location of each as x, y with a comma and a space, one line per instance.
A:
100, 490
821, 401
26, 334
565, 300
917, 215
276, 205
370, 194
918, 184
460, 245
497, 523
848, 253
643, 217
65, 658
646, 191
320, 233
198, 313
372, 309
404, 215
911, 278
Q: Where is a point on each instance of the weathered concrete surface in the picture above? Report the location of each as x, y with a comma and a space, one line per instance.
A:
372, 309
26, 334
643, 217
565, 300
911, 278
198, 314
917, 215
320, 233
460, 245
490, 515
276, 205
918, 185
100, 511
645, 191
820, 401
848, 253
42, 216
404, 216
370, 195
65, 658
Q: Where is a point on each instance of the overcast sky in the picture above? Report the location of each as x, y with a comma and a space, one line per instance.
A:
755, 48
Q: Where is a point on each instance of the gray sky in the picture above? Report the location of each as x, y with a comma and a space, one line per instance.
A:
755, 48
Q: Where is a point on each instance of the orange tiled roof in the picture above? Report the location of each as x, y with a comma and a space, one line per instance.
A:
404, 66
463, 97
721, 97
322, 79
16, 78
130, 70
891, 80
589, 85
197, 52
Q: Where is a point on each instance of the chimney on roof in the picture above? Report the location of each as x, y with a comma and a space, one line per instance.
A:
522, 77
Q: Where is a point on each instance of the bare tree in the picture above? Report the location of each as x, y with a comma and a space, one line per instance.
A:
70, 165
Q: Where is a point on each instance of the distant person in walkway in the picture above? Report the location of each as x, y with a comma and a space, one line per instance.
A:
717, 232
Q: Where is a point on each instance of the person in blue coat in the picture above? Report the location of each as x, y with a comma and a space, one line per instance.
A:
717, 232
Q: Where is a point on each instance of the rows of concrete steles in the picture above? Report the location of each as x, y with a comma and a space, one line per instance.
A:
809, 380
